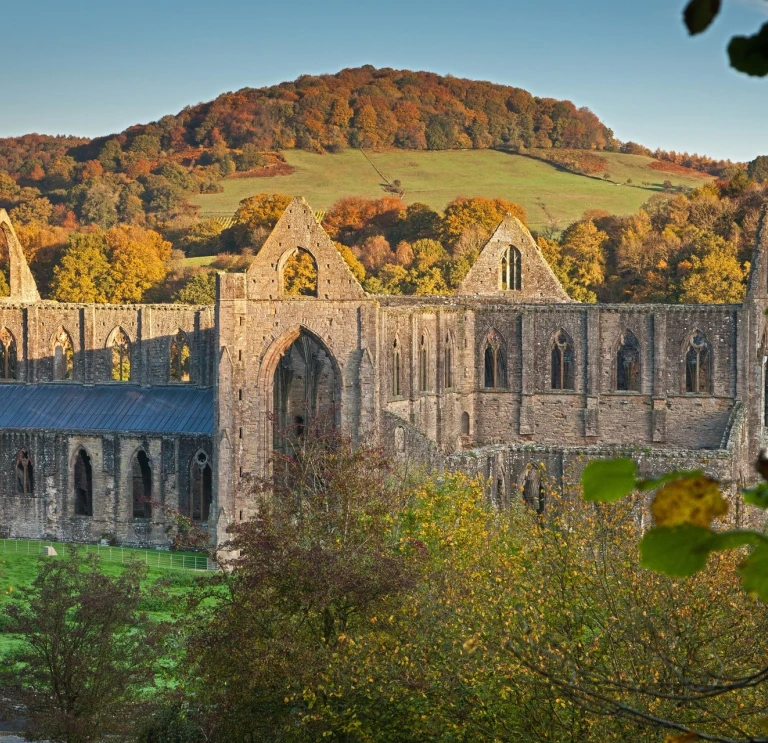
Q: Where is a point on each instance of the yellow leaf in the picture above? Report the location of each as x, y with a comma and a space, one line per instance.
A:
697, 501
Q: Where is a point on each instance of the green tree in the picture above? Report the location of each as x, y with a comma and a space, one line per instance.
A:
87, 650
200, 289
100, 206
758, 169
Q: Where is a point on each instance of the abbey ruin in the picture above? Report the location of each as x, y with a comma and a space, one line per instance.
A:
112, 414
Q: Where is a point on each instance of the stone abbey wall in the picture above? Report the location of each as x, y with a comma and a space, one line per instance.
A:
508, 379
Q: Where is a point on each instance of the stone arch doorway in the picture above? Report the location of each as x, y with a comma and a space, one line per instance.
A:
306, 390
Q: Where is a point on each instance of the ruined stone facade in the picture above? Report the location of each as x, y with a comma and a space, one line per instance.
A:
507, 378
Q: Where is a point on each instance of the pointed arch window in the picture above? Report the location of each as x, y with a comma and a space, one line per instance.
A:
465, 423
8, 365
448, 363
628, 363
83, 480
180, 358
200, 486
120, 345
141, 480
300, 274
511, 269
63, 355
562, 362
24, 473
423, 363
495, 361
395, 368
698, 364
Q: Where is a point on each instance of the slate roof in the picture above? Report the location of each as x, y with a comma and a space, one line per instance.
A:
107, 407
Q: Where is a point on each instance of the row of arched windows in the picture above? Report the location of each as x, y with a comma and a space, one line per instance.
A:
63, 353
698, 362
200, 483
424, 355
627, 363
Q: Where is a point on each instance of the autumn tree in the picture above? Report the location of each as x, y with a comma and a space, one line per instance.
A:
583, 246
258, 215
464, 212
199, 289
138, 259
84, 272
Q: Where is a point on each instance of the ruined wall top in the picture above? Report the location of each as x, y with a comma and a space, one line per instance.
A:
23, 286
298, 229
511, 266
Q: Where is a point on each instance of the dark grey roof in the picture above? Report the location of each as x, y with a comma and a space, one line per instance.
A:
107, 407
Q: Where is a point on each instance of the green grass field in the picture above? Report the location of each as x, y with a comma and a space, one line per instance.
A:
436, 178
18, 569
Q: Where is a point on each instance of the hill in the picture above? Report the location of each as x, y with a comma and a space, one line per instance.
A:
550, 195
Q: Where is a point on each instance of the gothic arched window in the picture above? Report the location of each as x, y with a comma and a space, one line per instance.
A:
562, 362
300, 274
83, 479
120, 345
465, 423
423, 363
628, 363
141, 479
510, 269
7, 355
395, 368
24, 474
698, 364
200, 488
495, 361
180, 358
63, 355
448, 363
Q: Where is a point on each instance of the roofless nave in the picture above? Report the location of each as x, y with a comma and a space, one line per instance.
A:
110, 412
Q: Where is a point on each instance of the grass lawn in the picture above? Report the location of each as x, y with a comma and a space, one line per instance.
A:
18, 569
199, 261
436, 178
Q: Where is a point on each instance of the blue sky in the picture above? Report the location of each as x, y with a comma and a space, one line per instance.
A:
93, 67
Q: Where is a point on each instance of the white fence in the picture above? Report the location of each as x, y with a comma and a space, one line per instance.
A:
152, 558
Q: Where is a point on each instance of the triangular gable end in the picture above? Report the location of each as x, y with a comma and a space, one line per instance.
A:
23, 286
298, 228
538, 282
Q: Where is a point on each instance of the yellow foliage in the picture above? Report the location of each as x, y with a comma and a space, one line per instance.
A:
697, 501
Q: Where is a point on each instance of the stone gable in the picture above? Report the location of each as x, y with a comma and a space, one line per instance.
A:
298, 229
538, 282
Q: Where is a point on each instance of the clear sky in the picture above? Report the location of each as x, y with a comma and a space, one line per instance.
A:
93, 67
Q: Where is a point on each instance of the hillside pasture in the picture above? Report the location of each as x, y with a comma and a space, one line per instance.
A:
549, 194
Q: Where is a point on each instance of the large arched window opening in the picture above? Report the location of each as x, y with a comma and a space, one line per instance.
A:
562, 362
306, 392
300, 274
396, 368
24, 473
448, 363
63, 356
698, 364
141, 480
423, 363
8, 359
200, 488
510, 269
120, 346
495, 361
83, 480
180, 358
628, 363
